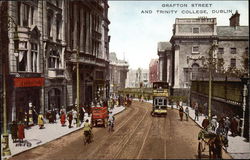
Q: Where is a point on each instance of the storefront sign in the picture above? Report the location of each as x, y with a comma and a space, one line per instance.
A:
28, 82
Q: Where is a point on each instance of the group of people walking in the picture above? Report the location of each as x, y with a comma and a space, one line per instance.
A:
221, 126
182, 111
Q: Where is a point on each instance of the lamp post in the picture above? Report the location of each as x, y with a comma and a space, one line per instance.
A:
5, 140
78, 88
210, 67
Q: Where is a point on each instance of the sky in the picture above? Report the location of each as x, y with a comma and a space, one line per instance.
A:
135, 33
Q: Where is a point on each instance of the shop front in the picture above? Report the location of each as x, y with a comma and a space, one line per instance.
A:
27, 99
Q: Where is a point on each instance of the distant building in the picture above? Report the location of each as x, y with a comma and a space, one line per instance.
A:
137, 78
153, 71
118, 73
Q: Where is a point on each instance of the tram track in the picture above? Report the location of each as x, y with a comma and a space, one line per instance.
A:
119, 130
130, 136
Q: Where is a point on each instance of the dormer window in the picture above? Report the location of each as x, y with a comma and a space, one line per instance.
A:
196, 30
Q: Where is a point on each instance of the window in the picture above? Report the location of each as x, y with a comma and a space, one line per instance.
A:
221, 50
34, 57
196, 30
25, 15
57, 29
22, 61
195, 71
32, 15
195, 49
233, 50
233, 63
54, 60
49, 26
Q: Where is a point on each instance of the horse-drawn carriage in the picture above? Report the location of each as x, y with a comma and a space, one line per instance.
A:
215, 143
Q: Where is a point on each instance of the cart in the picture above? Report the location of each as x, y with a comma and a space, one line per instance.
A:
99, 116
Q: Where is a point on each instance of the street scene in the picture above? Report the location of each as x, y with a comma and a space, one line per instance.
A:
106, 79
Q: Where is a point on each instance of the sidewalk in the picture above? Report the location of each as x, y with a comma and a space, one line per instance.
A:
38, 137
238, 148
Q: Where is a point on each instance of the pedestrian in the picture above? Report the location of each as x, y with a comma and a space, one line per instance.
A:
14, 130
237, 118
234, 126
70, 118
34, 115
181, 112
214, 123
53, 112
21, 134
75, 115
227, 124
40, 121
63, 118
196, 112
187, 113
205, 123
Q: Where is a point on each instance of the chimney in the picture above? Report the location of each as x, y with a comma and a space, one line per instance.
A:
235, 19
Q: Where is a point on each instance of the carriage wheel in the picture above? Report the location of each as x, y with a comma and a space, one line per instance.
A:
199, 150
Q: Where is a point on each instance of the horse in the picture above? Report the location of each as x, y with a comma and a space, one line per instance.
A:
215, 146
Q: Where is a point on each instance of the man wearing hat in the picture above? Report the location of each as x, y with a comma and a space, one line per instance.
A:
214, 123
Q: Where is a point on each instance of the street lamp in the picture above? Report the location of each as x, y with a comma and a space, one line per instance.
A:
210, 67
5, 140
78, 88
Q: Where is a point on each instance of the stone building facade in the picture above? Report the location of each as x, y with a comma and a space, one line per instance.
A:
42, 72
164, 51
192, 39
87, 43
118, 73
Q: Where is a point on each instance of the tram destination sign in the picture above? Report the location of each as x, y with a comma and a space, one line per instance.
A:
29, 82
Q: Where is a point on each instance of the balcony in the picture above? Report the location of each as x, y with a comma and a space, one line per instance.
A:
55, 73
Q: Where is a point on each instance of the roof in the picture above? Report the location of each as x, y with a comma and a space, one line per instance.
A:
232, 32
163, 46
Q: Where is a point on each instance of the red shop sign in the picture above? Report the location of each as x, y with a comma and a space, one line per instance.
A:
28, 82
